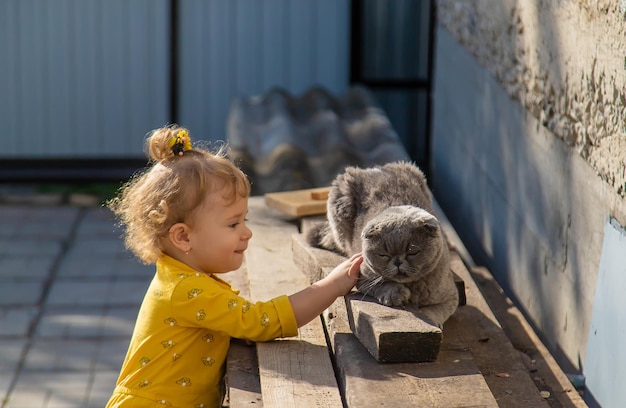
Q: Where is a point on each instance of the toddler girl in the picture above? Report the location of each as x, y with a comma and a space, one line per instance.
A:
187, 215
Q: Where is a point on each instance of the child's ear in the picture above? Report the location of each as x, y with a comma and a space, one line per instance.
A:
179, 236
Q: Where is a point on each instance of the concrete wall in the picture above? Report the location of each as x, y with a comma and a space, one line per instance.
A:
564, 61
527, 204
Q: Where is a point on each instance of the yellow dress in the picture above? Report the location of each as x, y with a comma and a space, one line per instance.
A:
182, 334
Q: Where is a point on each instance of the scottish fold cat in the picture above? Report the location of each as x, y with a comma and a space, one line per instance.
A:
386, 212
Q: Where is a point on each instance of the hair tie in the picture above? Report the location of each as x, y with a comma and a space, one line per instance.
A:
180, 143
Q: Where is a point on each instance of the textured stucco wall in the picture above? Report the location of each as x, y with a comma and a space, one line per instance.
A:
564, 61
529, 149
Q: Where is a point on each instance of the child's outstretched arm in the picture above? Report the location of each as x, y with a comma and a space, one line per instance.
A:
312, 301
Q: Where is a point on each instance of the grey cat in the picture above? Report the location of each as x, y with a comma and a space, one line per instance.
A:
386, 213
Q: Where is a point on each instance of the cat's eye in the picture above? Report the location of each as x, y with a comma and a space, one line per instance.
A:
412, 250
384, 256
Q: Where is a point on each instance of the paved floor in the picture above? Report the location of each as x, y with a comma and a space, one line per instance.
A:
69, 295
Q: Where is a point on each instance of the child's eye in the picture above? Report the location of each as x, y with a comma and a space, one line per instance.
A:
234, 225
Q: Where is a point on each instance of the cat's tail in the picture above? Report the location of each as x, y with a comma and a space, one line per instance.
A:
321, 236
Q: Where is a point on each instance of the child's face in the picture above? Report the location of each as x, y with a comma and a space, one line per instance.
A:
219, 235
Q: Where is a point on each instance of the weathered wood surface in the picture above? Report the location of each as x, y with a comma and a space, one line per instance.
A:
477, 365
294, 372
472, 328
392, 335
242, 368
299, 202
453, 380
538, 362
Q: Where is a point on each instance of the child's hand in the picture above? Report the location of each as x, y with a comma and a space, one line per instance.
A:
311, 301
345, 275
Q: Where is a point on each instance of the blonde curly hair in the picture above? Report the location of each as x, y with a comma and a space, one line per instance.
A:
171, 188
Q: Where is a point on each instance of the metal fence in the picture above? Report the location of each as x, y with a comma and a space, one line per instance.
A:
82, 81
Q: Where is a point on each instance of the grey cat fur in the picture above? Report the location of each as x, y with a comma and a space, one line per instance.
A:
386, 212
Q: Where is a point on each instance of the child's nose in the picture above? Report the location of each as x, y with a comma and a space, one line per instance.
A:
247, 233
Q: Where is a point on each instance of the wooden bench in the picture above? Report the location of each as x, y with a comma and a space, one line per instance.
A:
326, 365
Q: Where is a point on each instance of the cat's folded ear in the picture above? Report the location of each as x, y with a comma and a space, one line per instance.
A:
431, 226
370, 231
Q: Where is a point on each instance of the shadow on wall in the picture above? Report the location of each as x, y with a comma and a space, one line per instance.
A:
510, 192
286, 143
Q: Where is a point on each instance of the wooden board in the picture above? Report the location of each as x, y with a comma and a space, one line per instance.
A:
476, 366
294, 372
299, 202
242, 367
509, 345
453, 381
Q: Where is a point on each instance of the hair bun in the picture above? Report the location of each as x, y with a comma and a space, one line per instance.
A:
167, 142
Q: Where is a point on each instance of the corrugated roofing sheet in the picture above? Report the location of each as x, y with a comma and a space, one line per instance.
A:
285, 142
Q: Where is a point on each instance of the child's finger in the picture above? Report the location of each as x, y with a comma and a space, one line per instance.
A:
355, 266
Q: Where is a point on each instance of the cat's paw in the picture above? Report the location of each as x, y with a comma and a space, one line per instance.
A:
394, 295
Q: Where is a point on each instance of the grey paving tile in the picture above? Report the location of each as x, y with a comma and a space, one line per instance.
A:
19, 293
130, 267
122, 265
61, 390
119, 322
87, 323
71, 323
28, 398
6, 379
29, 247
41, 222
81, 339
96, 293
26, 267
93, 246
101, 388
128, 292
10, 354
60, 356
111, 354
99, 222
79, 293
15, 321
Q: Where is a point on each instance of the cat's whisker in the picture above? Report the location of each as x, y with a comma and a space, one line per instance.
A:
388, 271
370, 284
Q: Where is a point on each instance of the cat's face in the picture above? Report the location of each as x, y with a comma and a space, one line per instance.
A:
402, 244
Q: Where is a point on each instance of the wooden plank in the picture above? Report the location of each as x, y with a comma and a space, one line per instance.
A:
500, 374
243, 384
299, 202
475, 327
242, 376
453, 381
295, 372
392, 335
539, 363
